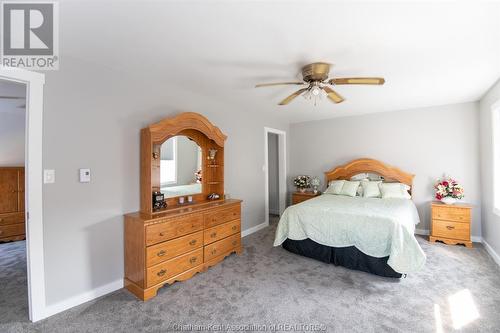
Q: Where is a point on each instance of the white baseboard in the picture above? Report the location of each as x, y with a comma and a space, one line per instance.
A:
256, 228
492, 252
71, 302
425, 232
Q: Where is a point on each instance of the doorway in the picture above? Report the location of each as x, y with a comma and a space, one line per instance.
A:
13, 267
26, 184
275, 173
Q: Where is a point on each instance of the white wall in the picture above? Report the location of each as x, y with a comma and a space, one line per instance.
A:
92, 118
491, 221
425, 142
273, 167
12, 128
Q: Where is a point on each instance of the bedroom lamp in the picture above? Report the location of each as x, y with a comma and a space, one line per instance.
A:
315, 183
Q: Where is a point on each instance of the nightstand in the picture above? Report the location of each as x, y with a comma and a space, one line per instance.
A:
303, 196
450, 224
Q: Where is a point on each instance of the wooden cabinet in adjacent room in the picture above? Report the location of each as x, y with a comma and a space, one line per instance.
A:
12, 218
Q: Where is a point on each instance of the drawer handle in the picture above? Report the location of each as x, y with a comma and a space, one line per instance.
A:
192, 260
449, 227
234, 227
161, 253
214, 251
213, 234
1, 220
192, 242
162, 272
162, 234
235, 242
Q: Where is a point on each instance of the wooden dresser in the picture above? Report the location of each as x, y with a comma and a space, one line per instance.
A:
176, 244
303, 196
12, 226
450, 224
171, 239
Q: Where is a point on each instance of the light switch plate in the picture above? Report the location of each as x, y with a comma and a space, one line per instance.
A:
49, 176
84, 175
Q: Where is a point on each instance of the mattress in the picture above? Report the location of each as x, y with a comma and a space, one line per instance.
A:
377, 227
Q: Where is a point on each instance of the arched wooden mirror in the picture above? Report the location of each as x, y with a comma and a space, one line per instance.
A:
182, 156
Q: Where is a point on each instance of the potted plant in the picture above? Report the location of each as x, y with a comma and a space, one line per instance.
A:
302, 182
448, 190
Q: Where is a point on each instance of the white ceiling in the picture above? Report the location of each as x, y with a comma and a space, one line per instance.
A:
431, 53
12, 106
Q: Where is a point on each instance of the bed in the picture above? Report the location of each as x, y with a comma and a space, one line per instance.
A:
373, 235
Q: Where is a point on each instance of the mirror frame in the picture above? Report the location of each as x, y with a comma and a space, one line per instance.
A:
200, 130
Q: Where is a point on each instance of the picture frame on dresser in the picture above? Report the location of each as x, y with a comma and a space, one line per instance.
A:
175, 241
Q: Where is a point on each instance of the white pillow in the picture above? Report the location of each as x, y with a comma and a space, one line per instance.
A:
371, 189
350, 188
394, 190
335, 187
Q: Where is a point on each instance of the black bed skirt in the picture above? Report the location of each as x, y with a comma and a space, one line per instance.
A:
349, 257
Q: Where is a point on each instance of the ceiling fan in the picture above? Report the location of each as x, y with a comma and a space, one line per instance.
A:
315, 76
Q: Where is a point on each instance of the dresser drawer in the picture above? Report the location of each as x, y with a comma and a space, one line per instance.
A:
223, 215
452, 230
170, 249
221, 231
11, 218
218, 248
12, 230
173, 267
451, 214
161, 232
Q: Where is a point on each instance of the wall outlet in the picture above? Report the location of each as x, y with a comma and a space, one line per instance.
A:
84, 175
49, 176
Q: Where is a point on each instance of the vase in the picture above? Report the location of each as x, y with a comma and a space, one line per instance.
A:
448, 200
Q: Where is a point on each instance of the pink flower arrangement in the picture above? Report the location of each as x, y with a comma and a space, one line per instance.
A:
448, 187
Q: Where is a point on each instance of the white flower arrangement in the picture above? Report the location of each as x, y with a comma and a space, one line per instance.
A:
302, 182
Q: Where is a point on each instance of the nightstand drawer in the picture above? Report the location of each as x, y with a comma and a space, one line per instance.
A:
451, 214
452, 230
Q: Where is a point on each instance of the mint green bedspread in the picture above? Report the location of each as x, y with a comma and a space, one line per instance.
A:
376, 227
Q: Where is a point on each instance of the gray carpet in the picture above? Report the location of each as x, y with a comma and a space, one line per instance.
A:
270, 286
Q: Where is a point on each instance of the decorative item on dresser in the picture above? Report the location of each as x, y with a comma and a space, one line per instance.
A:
12, 226
303, 196
450, 224
174, 241
448, 190
302, 183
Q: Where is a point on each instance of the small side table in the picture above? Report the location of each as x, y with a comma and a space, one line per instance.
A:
303, 196
450, 224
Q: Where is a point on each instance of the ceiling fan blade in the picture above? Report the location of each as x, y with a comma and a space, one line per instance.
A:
333, 95
277, 84
292, 96
357, 80
11, 97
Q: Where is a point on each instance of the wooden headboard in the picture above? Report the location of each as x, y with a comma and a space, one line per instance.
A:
367, 165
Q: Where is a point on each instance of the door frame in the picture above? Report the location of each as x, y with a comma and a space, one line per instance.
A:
281, 167
33, 183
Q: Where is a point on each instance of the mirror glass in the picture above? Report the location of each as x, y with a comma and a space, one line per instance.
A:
180, 167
